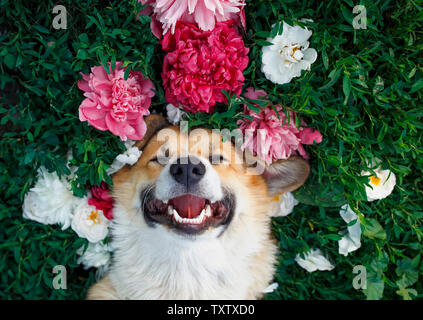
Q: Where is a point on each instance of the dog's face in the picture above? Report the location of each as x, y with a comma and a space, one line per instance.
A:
193, 184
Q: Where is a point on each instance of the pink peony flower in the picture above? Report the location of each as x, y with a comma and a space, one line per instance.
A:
254, 94
102, 200
204, 13
115, 104
272, 134
200, 64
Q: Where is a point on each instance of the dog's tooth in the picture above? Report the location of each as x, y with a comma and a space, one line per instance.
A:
179, 219
170, 210
201, 216
176, 216
208, 211
164, 201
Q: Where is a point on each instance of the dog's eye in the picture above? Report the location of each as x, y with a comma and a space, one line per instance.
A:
217, 159
160, 160
162, 157
163, 154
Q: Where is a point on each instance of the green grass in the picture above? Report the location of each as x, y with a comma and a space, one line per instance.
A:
364, 94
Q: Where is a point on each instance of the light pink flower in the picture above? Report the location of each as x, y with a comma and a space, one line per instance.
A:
272, 133
200, 64
254, 94
204, 13
115, 104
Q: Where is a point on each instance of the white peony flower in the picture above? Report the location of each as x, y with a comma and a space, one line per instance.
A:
288, 54
381, 185
314, 260
97, 255
283, 205
130, 156
351, 241
271, 288
174, 115
50, 201
89, 223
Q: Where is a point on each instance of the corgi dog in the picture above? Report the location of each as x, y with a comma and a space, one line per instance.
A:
191, 221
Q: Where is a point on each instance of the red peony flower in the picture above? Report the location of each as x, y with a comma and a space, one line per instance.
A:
200, 64
102, 200
272, 133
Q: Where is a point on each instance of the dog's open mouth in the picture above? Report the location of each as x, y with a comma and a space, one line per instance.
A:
189, 213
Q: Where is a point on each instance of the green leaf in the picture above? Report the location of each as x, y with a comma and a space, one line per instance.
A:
346, 87
417, 86
82, 54
113, 62
407, 269
374, 289
333, 76
325, 59
333, 236
126, 73
404, 292
41, 29
373, 229
325, 197
104, 62
10, 60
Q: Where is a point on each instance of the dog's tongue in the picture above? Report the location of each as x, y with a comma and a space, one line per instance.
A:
188, 205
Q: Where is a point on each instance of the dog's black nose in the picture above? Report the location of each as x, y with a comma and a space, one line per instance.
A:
187, 172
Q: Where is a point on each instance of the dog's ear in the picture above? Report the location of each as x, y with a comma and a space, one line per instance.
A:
286, 175
154, 123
